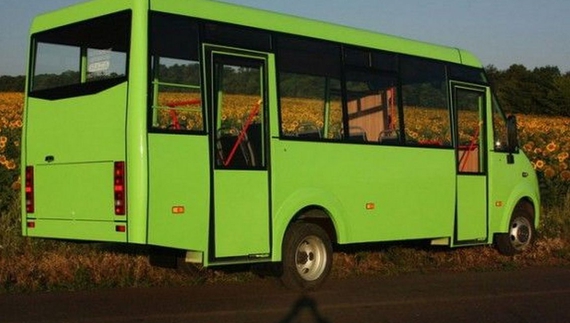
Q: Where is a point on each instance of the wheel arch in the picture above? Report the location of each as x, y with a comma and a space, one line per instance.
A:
318, 215
523, 201
521, 231
309, 205
525, 191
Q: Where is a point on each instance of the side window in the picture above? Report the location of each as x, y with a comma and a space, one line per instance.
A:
499, 127
371, 85
372, 107
239, 109
309, 89
425, 103
470, 109
176, 103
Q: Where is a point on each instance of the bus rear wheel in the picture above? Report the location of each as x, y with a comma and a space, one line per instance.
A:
307, 256
521, 231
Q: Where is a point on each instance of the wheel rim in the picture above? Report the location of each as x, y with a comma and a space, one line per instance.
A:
520, 233
310, 258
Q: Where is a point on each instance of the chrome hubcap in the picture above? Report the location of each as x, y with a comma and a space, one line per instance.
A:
520, 233
310, 258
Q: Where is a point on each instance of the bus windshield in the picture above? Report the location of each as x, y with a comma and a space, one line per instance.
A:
81, 58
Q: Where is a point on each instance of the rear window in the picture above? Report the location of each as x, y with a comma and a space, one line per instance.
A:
82, 58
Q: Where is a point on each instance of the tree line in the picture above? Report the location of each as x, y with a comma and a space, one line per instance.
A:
542, 90
12, 83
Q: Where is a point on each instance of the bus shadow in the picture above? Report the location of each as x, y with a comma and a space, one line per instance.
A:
304, 309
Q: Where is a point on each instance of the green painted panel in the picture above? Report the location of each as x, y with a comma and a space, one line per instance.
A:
75, 192
136, 128
77, 13
241, 213
471, 207
509, 183
80, 129
72, 145
79, 230
179, 191
410, 192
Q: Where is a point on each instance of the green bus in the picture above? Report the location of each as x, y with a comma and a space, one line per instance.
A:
229, 135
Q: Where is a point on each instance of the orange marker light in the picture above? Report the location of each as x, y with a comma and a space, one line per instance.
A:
499, 203
178, 209
370, 206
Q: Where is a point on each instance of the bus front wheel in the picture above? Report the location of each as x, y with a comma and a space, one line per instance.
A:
307, 256
521, 231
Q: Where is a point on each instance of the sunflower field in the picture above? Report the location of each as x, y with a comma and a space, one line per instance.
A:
546, 141
10, 132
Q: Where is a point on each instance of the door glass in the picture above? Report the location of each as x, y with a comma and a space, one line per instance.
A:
470, 106
238, 105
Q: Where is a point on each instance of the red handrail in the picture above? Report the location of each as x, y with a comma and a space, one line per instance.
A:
243, 131
174, 104
472, 144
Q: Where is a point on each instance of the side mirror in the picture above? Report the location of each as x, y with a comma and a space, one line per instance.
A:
512, 138
512, 134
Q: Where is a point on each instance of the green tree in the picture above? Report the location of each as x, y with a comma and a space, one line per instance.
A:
543, 90
12, 83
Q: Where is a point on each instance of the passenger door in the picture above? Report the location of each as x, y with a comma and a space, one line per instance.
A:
471, 156
237, 105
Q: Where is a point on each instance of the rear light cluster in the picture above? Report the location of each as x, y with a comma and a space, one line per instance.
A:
119, 188
30, 203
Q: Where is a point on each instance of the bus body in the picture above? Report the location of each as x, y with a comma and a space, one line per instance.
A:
244, 136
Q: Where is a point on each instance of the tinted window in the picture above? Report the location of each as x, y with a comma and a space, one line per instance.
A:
372, 107
425, 102
237, 36
356, 57
101, 43
176, 98
500, 138
466, 74
309, 89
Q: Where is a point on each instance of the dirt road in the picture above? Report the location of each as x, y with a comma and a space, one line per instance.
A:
530, 295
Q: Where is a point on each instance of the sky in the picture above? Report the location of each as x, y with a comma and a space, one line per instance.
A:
500, 32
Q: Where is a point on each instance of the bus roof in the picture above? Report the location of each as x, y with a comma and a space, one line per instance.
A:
262, 19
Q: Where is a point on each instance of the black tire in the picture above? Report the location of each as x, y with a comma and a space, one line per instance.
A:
521, 232
307, 256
